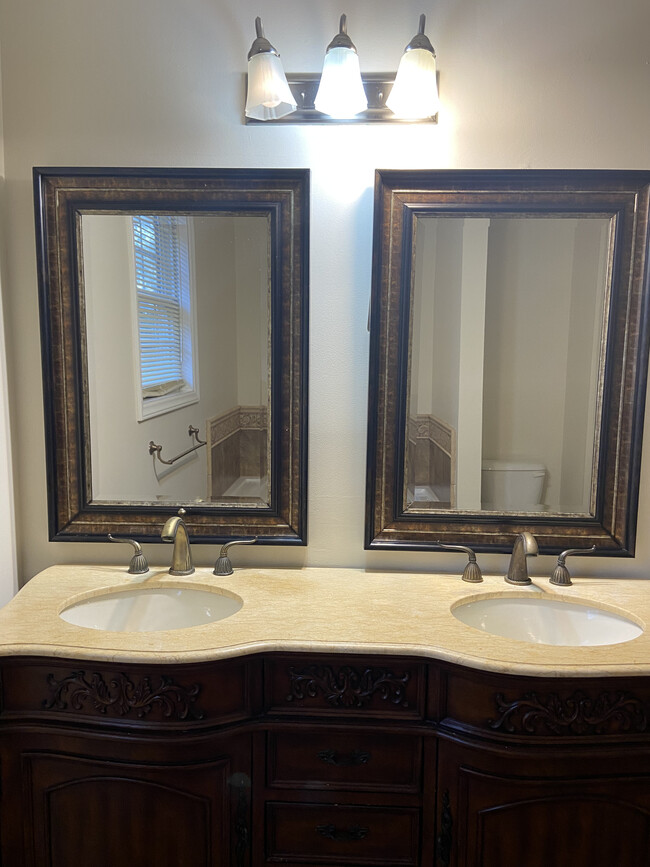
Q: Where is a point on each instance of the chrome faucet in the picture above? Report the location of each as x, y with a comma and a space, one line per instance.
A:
525, 546
175, 531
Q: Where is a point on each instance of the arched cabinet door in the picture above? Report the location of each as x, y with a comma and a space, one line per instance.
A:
565, 806
151, 809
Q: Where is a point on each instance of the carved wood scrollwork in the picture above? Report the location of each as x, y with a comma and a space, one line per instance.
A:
444, 838
580, 714
122, 696
347, 686
343, 835
241, 783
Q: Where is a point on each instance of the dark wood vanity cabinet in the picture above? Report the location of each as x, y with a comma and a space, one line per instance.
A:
543, 771
573, 808
121, 801
346, 761
129, 765
314, 760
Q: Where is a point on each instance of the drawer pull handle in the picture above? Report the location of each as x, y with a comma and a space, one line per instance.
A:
342, 835
356, 757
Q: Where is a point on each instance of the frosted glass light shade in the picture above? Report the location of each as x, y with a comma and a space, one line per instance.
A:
415, 92
269, 96
340, 92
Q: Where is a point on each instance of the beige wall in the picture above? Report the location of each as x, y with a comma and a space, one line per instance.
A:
545, 283
253, 282
527, 338
159, 82
8, 560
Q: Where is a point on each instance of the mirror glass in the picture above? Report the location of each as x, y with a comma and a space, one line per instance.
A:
174, 319
186, 300
508, 359
505, 370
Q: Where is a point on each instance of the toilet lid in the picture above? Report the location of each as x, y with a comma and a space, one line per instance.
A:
516, 466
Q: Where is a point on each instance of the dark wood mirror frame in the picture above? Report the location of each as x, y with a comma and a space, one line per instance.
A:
62, 195
399, 197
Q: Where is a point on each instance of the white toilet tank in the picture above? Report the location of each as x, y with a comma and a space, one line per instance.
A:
512, 485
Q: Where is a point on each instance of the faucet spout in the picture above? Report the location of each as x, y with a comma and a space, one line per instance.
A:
525, 546
175, 531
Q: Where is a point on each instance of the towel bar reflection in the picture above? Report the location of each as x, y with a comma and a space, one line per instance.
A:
193, 432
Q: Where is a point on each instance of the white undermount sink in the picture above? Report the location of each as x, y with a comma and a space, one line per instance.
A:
543, 620
151, 609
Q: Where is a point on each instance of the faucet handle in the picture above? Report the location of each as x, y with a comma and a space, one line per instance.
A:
561, 576
138, 564
223, 566
472, 572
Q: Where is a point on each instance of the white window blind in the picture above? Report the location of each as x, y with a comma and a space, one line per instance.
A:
162, 279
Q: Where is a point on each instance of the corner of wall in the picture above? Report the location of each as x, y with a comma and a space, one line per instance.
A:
8, 561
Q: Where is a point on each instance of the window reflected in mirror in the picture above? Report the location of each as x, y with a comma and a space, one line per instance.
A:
185, 300
174, 314
163, 297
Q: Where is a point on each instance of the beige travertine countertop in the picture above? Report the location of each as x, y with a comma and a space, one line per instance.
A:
322, 609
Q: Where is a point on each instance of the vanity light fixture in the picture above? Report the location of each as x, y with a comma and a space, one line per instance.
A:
342, 94
269, 96
415, 92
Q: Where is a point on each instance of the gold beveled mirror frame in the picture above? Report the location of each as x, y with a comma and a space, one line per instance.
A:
401, 196
62, 195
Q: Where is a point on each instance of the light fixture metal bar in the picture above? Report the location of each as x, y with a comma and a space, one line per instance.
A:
377, 86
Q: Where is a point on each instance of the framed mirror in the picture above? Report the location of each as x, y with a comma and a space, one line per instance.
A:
509, 354
174, 337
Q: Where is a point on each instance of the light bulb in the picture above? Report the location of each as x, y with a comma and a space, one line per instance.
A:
269, 96
414, 94
340, 92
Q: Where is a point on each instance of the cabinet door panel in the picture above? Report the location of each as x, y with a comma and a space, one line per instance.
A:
101, 812
542, 822
592, 832
506, 818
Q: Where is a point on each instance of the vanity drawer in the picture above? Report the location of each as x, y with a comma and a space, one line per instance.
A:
520, 707
341, 834
354, 760
381, 687
169, 696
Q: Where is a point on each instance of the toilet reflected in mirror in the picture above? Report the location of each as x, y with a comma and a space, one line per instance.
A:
508, 320
508, 358
512, 486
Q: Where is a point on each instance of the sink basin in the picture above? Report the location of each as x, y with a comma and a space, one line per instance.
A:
540, 620
151, 609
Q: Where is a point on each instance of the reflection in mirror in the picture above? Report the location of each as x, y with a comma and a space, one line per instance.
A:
174, 316
505, 373
508, 365
186, 298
